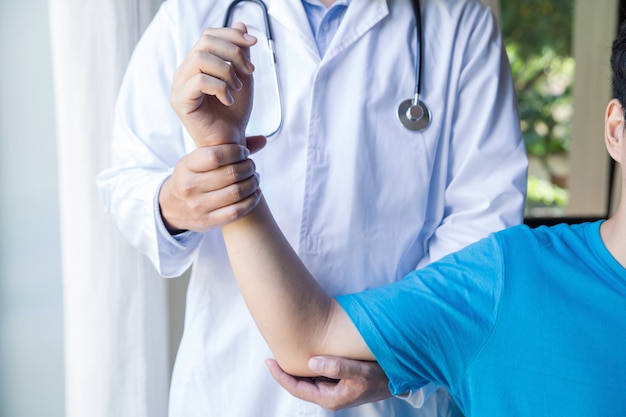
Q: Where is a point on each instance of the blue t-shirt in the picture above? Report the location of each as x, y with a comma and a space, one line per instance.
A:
527, 322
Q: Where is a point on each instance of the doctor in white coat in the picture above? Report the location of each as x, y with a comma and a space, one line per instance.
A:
340, 169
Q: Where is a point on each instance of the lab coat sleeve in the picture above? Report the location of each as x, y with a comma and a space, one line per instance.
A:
147, 142
487, 168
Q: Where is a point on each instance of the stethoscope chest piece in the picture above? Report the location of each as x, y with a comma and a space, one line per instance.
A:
414, 117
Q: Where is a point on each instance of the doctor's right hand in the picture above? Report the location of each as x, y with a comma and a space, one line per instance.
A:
212, 87
210, 186
342, 382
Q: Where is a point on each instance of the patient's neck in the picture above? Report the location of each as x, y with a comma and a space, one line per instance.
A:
613, 233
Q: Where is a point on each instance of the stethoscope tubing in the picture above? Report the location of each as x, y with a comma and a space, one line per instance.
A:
412, 113
266, 19
418, 51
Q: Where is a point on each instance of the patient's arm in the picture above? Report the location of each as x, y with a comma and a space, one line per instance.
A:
296, 317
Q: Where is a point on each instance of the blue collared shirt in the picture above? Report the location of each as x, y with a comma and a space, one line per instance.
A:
324, 21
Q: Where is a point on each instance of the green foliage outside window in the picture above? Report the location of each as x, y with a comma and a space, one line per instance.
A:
537, 35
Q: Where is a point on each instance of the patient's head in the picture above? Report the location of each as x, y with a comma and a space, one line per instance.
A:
615, 132
618, 65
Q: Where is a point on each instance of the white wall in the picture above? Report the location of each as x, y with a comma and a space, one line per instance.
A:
31, 328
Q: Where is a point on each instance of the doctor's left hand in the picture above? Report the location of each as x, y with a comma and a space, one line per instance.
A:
342, 383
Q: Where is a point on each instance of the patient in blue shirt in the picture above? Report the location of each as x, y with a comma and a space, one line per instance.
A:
526, 322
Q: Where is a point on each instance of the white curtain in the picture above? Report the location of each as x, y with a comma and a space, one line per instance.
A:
116, 335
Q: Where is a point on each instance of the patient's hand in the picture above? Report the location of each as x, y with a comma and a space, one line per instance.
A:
212, 87
342, 383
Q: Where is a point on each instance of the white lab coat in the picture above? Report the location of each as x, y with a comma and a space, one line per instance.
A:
362, 199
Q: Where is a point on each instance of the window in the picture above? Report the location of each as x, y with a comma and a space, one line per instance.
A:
559, 52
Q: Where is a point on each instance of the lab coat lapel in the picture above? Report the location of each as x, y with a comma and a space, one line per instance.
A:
291, 15
360, 17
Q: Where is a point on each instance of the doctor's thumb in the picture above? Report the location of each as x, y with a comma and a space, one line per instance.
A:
255, 143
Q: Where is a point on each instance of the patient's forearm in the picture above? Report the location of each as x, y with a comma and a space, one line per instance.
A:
296, 317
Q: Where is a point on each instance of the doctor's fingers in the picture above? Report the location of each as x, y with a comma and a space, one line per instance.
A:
208, 158
235, 211
342, 383
217, 208
212, 169
218, 179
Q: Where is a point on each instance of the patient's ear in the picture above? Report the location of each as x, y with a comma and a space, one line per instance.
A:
614, 129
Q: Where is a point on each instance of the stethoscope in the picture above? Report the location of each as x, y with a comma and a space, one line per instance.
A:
412, 113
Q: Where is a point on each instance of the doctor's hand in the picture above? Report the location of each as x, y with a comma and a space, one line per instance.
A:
210, 186
342, 383
212, 87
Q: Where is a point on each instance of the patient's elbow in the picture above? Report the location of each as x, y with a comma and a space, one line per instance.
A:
295, 364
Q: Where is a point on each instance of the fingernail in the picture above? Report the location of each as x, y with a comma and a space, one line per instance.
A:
249, 66
229, 98
246, 152
249, 37
316, 364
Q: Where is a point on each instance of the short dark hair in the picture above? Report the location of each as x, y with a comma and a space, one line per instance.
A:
618, 64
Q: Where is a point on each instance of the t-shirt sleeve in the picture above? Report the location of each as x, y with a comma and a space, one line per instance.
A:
429, 326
